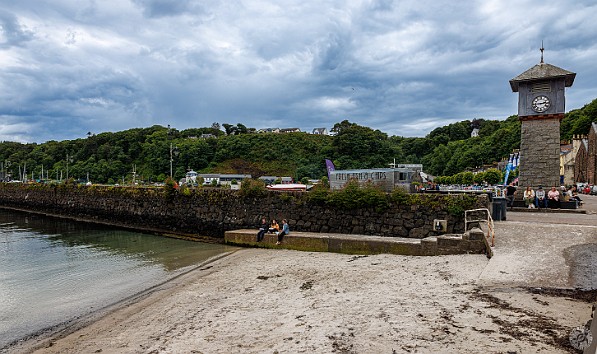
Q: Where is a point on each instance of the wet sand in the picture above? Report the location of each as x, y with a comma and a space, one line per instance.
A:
282, 301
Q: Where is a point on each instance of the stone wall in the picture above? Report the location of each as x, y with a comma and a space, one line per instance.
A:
592, 155
540, 151
211, 212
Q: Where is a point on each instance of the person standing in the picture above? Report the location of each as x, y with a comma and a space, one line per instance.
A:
510, 191
285, 231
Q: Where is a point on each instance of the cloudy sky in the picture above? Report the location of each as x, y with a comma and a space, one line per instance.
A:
68, 67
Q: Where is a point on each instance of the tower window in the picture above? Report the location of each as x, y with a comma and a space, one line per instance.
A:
541, 87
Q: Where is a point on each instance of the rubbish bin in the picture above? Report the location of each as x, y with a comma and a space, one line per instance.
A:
498, 208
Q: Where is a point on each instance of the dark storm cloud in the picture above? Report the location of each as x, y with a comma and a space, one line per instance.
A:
405, 67
163, 8
12, 33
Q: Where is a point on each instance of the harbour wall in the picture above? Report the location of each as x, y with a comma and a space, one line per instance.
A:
211, 212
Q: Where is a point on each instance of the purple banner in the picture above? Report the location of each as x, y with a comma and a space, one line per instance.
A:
329, 165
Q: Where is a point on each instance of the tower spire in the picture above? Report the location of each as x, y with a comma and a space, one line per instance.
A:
541, 49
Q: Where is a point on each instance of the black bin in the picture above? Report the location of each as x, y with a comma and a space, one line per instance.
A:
498, 208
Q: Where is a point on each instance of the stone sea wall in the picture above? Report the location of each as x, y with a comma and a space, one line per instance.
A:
211, 212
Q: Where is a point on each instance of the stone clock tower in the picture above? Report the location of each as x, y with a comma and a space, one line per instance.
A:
541, 105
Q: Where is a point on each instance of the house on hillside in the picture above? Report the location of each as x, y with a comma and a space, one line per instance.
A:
319, 131
269, 130
290, 130
269, 180
221, 179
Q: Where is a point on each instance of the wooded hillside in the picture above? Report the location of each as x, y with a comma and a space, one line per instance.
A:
112, 157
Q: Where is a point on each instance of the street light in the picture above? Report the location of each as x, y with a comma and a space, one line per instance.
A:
173, 150
69, 158
5, 165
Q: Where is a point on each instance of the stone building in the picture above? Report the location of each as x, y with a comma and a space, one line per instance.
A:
567, 163
541, 105
585, 165
592, 155
581, 158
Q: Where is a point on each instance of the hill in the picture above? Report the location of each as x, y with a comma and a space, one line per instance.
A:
113, 157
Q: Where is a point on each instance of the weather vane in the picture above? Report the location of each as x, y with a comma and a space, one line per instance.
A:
541, 49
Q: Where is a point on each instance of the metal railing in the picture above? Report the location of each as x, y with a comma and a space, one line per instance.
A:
487, 220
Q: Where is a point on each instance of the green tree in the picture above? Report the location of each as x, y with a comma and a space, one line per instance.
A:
467, 178
493, 176
479, 178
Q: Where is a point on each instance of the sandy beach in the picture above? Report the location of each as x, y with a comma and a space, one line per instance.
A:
282, 301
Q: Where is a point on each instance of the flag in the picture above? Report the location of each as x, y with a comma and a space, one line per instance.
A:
329, 166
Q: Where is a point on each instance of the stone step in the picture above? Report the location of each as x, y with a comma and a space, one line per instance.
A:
362, 244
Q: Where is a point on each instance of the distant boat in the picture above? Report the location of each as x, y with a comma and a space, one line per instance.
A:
297, 187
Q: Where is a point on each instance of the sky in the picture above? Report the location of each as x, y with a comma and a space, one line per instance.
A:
404, 67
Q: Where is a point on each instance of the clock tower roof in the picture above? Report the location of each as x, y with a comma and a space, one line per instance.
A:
543, 71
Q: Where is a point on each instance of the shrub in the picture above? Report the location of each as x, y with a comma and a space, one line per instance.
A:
325, 182
318, 194
252, 188
170, 187
185, 190
354, 196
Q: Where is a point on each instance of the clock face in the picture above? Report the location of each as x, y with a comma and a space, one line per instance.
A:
540, 104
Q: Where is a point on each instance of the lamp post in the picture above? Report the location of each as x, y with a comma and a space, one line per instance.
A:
69, 158
5, 165
173, 150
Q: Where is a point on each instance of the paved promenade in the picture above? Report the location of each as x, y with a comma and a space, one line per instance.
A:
538, 249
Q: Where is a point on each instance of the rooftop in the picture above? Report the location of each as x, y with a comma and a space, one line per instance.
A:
542, 71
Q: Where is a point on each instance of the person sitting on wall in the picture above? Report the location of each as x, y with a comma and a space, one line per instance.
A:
285, 231
540, 200
553, 198
263, 227
529, 197
274, 227
573, 194
510, 191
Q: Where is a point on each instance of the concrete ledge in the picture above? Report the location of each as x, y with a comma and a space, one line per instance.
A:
564, 205
363, 244
547, 210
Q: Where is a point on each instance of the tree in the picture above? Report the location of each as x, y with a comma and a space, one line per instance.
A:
360, 147
467, 178
229, 128
493, 176
479, 178
241, 129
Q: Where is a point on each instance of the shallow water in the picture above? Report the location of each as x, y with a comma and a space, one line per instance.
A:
52, 270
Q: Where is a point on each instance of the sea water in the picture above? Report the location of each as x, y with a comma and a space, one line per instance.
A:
53, 271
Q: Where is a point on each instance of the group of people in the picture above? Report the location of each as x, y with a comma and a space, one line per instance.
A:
551, 199
273, 227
